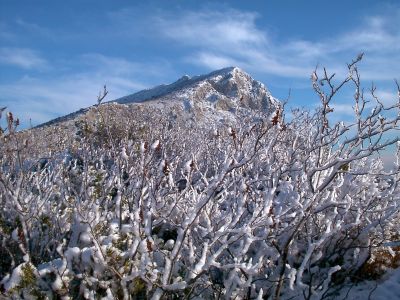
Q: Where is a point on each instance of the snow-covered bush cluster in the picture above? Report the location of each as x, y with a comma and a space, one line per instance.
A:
265, 207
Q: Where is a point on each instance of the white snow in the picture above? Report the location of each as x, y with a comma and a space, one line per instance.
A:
11, 281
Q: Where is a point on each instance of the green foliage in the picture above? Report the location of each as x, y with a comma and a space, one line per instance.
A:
28, 277
27, 283
139, 288
5, 226
45, 222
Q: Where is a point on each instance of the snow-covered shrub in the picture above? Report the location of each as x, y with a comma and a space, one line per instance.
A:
264, 207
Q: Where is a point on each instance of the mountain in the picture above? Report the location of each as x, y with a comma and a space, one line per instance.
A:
228, 87
214, 96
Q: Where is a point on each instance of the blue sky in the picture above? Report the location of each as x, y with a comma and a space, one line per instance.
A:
56, 55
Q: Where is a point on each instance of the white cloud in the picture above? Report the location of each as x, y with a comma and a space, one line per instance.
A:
34, 28
231, 36
374, 35
221, 30
22, 57
5, 33
212, 61
343, 109
387, 97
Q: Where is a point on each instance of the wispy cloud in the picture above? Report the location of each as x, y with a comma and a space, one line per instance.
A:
231, 36
34, 28
388, 97
5, 33
213, 61
217, 29
343, 109
376, 34
22, 57
227, 37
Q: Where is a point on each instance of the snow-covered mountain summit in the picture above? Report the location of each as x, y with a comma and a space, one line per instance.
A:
224, 89
212, 97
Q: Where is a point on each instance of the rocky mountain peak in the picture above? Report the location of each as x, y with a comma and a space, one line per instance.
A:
225, 89
210, 97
